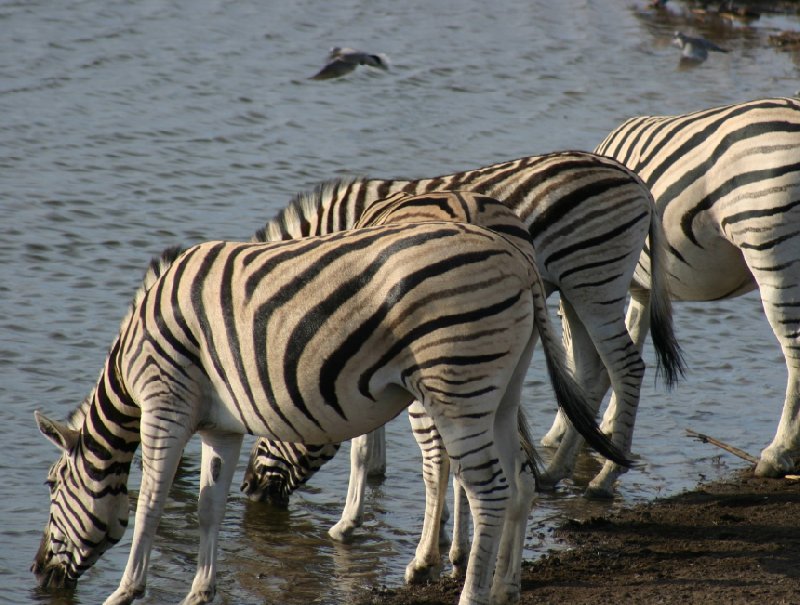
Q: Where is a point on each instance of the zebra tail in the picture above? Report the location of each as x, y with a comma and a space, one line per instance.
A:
670, 363
532, 458
570, 396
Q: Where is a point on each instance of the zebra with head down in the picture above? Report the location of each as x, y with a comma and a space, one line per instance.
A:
318, 340
589, 219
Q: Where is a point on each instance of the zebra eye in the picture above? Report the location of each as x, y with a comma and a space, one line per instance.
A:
51, 484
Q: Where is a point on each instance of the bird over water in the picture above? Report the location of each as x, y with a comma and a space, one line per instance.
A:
342, 61
694, 49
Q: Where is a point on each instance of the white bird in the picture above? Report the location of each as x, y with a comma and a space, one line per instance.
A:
694, 49
342, 61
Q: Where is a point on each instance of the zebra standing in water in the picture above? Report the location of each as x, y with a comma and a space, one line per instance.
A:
726, 181
589, 218
272, 472
319, 340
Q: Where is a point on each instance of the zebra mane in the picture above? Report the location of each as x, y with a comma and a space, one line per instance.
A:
158, 265
156, 268
292, 221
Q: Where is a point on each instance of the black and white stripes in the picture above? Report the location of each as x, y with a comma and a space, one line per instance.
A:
316, 340
589, 218
726, 181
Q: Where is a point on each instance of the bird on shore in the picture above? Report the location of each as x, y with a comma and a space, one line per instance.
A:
694, 49
342, 61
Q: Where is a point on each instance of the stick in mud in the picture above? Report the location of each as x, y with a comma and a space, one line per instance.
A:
728, 448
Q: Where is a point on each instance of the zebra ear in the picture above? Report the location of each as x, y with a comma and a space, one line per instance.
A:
59, 433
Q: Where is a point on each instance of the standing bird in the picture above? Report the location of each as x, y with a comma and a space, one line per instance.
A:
342, 61
694, 49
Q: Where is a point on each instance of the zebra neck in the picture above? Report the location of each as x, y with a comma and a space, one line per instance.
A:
110, 427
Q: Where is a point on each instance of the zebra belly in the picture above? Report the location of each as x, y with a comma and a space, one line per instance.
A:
284, 421
713, 272
702, 264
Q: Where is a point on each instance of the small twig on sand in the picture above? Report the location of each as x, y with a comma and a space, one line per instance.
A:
728, 448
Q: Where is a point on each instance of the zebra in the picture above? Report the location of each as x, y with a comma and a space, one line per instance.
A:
317, 339
589, 218
276, 469
726, 181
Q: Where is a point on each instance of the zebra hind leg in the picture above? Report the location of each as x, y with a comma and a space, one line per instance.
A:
377, 453
618, 420
592, 375
782, 309
519, 468
426, 564
476, 463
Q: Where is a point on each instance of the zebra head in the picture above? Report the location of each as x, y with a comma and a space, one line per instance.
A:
276, 469
87, 514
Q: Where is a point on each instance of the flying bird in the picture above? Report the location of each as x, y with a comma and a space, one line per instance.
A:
342, 61
694, 49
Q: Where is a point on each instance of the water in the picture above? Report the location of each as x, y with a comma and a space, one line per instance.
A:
127, 127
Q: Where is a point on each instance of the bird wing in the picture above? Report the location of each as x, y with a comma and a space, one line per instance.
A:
334, 69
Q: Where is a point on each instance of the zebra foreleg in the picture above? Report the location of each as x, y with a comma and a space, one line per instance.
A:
353, 512
220, 453
459, 548
426, 564
162, 447
377, 453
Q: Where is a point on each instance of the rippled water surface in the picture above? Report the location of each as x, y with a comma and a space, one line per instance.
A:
130, 126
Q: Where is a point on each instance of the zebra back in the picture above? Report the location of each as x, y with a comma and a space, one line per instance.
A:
571, 203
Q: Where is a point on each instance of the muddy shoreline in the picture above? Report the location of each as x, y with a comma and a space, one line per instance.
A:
735, 541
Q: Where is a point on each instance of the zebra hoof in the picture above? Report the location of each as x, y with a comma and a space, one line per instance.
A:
552, 440
775, 462
599, 492
545, 482
124, 596
199, 597
342, 532
506, 595
459, 571
768, 469
416, 574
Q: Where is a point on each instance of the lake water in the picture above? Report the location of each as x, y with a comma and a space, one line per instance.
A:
130, 126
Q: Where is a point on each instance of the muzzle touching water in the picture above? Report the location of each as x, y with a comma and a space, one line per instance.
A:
51, 572
272, 489
57, 566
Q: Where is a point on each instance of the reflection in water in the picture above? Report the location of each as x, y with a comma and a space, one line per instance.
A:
130, 127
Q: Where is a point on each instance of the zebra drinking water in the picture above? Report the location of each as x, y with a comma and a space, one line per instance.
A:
319, 340
275, 469
589, 218
726, 181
